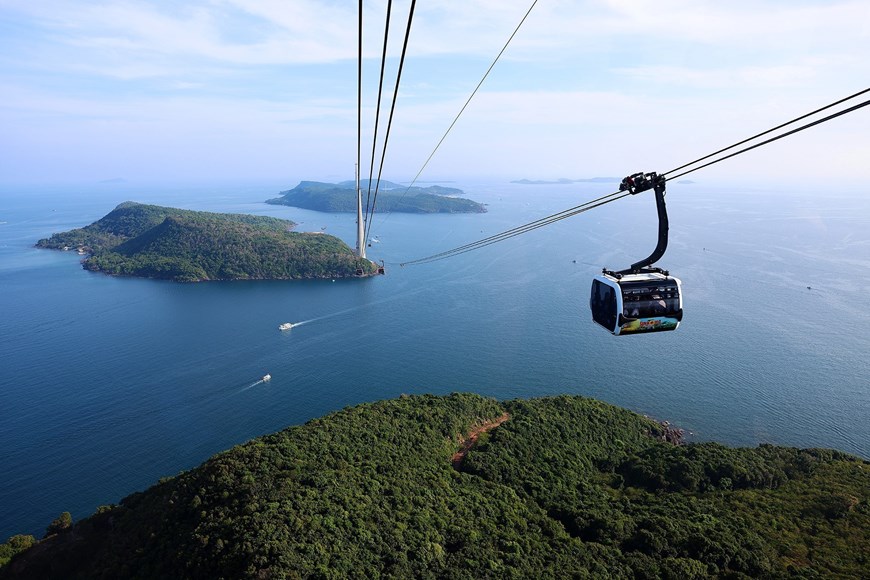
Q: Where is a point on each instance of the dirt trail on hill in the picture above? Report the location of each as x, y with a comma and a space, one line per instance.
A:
473, 435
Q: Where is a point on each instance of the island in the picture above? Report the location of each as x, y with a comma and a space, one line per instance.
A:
151, 241
392, 197
463, 486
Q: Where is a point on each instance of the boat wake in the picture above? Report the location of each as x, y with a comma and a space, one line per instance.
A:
349, 310
360, 307
255, 383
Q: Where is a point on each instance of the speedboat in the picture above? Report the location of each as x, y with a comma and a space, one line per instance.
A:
285, 326
266, 378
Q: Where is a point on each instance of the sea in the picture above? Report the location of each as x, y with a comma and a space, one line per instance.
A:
109, 384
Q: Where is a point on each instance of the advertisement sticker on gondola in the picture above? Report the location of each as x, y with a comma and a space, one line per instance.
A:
649, 325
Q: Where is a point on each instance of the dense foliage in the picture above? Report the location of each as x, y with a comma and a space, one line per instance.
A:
159, 242
341, 197
61, 523
14, 545
566, 487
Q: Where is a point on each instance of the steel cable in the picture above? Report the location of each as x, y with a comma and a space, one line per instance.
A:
616, 195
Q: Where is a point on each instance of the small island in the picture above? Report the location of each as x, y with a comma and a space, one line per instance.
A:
463, 486
392, 197
151, 241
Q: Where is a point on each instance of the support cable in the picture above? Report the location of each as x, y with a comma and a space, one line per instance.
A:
390, 120
377, 112
359, 91
545, 221
462, 110
795, 120
619, 195
360, 242
772, 139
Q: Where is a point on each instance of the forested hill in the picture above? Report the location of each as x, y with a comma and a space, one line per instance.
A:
161, 242
561, 487
392, 197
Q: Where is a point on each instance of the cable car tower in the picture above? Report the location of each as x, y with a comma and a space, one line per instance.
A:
641, 298
364, 219
360, 230
360, 225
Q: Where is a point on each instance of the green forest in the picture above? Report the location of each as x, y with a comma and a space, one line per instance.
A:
564, 487
392, 197
189, 246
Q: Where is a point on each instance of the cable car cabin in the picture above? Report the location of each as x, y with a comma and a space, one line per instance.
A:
636, 303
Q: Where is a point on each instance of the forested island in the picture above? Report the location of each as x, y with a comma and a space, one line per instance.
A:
392, 197
152, 241
463, 486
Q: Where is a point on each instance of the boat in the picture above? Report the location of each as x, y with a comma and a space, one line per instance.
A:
266, 377
285, 326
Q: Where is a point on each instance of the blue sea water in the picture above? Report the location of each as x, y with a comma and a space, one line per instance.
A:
108, 384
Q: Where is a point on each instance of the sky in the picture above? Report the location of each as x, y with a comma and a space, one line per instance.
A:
266, 90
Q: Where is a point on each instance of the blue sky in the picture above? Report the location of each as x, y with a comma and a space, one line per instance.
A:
265, 90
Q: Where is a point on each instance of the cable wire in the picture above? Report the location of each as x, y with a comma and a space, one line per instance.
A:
795, 120
772, 139
513, 232
519, 230
390, 121
359, 102
378, 112
474, 92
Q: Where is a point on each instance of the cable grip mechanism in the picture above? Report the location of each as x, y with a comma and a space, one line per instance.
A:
637, 183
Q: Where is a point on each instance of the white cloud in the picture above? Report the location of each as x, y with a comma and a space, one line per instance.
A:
735, 24
300, 32
584, 84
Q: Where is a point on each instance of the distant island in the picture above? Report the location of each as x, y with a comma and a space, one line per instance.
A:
463, 486
565, 181
392, 197
151, 241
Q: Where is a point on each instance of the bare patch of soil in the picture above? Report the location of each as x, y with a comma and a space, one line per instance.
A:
474, 435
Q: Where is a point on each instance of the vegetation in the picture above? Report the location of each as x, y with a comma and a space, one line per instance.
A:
565, 487
341, 197
61, 523
160, 242
16, 544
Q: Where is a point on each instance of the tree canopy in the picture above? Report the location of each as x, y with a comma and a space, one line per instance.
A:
183, 245
565, 487
392, 197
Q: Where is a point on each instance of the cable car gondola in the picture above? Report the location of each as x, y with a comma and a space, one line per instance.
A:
642, 298
636, 303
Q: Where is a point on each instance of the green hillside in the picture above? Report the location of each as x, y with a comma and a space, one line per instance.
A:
160, 242
392, 197
563, 487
